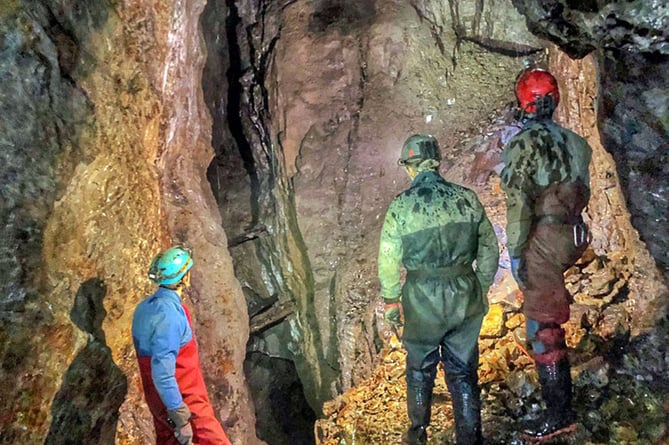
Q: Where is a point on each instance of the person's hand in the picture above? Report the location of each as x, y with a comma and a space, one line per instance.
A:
392, 313
180, 419
184, 435
515, 271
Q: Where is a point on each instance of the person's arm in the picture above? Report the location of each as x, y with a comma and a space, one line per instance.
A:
518, 184
487, 256
165, 344
389, 265
168, 329
390, 258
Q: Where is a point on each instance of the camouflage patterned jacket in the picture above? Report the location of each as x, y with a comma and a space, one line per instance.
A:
537, 161
433, 225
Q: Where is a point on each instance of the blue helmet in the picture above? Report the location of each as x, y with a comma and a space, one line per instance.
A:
170, 266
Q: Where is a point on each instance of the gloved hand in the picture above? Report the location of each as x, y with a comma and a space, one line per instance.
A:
392, 313
180, 418
515, 271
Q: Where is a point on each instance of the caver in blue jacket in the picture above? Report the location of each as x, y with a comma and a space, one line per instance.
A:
168, 358
159, 329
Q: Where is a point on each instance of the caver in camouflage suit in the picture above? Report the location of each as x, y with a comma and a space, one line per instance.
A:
436, 230
546, 181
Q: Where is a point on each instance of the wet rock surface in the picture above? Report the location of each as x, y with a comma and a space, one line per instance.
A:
100, 167
621, 386
106, 158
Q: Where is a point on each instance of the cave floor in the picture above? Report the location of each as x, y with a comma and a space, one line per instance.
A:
621, 396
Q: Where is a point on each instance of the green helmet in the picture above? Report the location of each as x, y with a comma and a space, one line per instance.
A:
170, 266
419, 148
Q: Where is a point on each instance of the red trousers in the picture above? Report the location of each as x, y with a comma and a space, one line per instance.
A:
206, 428
550, 251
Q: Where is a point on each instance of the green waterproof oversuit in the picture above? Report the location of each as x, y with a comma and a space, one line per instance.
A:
437, 230
546, 181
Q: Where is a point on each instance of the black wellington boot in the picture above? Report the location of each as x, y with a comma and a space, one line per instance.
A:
556, 390
419, 401
467, 412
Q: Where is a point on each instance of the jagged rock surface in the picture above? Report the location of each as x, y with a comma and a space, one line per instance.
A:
105, 148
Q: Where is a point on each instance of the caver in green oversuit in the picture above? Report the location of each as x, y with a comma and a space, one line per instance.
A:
546, 181
436, 230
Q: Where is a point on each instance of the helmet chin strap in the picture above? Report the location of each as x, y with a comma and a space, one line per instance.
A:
411, 171
180, 286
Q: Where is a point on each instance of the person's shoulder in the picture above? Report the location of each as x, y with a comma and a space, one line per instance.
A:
144, 302
159, 302
402, 202
402, 196
466, 192
572, 134
533, 128
521, 140
143, 309
454, 190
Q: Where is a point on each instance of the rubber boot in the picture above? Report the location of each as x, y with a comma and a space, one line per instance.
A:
466, 398
556, 389
419, 405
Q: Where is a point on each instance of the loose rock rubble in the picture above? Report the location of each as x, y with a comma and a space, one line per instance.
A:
621, 384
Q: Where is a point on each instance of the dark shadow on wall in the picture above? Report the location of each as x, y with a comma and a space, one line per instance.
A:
85, 409
46, 120
347, 15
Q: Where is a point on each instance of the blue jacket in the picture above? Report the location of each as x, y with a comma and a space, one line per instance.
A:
159, 329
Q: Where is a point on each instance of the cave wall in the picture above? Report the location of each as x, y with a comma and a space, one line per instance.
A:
106, 146
344, 85
107, 158
320, 97
350, 90
614, 238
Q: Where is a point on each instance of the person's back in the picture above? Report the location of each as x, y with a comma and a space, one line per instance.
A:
437, 230
546, 181
549, 164
438, 222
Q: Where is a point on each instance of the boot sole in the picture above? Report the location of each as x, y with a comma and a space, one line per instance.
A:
564, 430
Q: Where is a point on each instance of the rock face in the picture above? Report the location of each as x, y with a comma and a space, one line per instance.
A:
320, 97
631, 44
110, 112
105, 150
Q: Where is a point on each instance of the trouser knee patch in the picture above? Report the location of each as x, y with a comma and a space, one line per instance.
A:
555, 346
552, 337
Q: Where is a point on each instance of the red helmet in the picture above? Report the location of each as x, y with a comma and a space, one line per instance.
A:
534, 84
